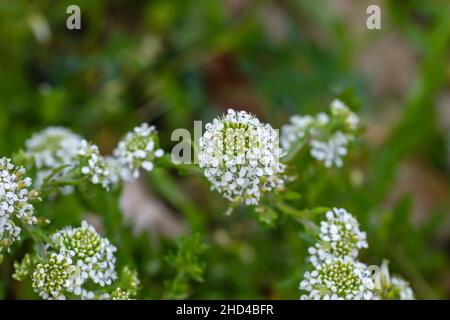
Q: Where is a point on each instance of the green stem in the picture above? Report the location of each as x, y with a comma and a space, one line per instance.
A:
305, 217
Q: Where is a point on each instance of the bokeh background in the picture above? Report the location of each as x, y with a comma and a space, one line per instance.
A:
172, 62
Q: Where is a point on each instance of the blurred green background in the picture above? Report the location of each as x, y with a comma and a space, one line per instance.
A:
172, 62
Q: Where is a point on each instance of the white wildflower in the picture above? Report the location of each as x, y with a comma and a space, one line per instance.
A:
326, 134
15, 198
401, 288
93, 164
338, 279
76, 259
240, 157
138, 149
92, 254
331, 151
296, 130
338, 108
339, 236
53, 277
51, 148
392, 287
338, 275
322, 118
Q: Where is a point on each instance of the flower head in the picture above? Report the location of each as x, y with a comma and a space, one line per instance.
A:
239, 155
340, 109
338, 279
400, 289
93, 164
331, 151
391, 287
51, 148
138, 149
15, 201
327, 135
51, 278
337, 274
297, 130
339, 236
75, 259
91, 253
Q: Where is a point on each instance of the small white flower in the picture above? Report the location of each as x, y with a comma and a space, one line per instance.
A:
51, 148
326, 135
339, 236
392, 287
53, 277
330, 152
137, 150
338, 108
76, 256
322, 118
297, 130
15, 201
402, 288
240, 157
92, 163
336, 279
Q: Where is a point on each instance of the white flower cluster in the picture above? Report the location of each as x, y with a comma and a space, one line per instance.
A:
339, 237
327, 135
93, 254
337, 274
392, 287
57, 146
120, 294
402, 288
338, 108
297, 131
52, 277
92, 163
51, 148
338, 279
138, 149
77, 256
240, 157
331, 151
15, 201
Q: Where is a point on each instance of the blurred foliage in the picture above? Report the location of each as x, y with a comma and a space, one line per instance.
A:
187, 264
172, 62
